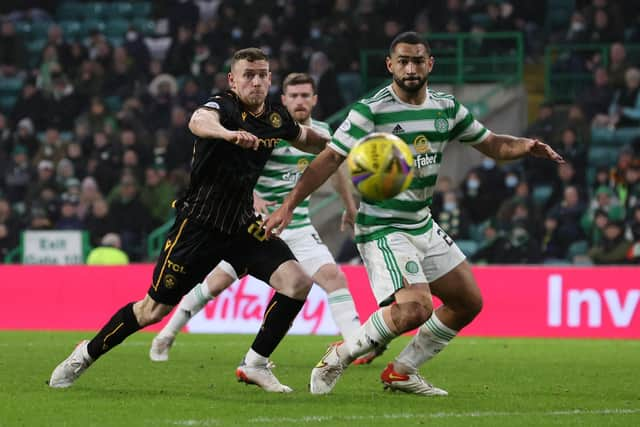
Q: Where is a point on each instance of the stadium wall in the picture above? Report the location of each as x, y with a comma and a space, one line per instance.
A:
519, 301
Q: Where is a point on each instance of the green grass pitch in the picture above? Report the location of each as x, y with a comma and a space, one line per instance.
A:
492, 382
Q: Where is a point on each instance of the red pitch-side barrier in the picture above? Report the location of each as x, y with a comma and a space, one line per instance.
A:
518, 301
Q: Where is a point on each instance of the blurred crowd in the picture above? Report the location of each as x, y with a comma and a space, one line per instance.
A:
96, 137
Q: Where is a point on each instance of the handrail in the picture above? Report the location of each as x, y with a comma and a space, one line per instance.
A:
563, 85
468, 67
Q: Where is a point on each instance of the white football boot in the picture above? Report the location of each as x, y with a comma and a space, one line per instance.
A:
160, 346
408, 383
326, 373
72, 367
262, 377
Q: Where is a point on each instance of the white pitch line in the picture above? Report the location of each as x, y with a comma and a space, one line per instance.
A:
389, 417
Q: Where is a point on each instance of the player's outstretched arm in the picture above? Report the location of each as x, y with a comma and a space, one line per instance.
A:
310, 141
341, 183
318, 171
507, 147
205, 123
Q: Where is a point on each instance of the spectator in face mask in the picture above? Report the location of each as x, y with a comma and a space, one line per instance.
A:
451, 218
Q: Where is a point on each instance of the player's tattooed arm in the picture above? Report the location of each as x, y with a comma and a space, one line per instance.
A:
205, 123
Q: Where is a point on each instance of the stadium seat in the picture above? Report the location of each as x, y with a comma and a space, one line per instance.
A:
559, 14
24, 29
90, 25
602, 156
7, 102
141, 9
95, 10
72, 29
40, 30
581, 247
121, 10
468, 247
145, 26
10, 85
116, 27
70, 11
113, 103
541, 194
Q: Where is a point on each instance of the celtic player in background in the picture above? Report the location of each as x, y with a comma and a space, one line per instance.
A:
280, 174
407, 255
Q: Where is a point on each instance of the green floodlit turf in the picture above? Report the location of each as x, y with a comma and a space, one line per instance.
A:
492, 382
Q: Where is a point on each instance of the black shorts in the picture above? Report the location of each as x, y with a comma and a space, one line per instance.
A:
192, 250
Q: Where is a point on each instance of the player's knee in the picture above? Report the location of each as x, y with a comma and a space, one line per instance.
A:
331, 279
410, 315
147, 312
299, 286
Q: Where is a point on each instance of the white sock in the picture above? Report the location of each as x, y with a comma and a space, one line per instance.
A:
255, 359
432, 337
344, 313
374, 333
190, 305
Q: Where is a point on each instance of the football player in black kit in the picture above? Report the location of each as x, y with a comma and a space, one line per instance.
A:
235, 134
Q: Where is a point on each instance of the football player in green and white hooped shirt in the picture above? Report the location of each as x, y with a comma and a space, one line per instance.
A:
407, 256
279, 176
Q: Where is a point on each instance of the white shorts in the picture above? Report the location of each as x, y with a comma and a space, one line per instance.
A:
306, 245
418, 259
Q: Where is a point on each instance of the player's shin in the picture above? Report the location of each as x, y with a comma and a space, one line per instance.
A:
374, 333
278, 318
119, 327
432, 337
344, 313
189, 306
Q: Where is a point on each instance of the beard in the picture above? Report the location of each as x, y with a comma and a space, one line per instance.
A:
411, 88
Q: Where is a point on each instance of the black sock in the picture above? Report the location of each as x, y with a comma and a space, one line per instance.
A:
119, 327
280, 314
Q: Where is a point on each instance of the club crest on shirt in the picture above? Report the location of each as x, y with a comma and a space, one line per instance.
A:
169, 281
302, 165
275, 119
441, 125
244, 116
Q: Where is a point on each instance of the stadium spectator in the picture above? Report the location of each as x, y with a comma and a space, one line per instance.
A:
618, 65
89, 80
567, 214
157, 195
614, 246
573, 151
63, 103
634, 224
51, 147
17, 176
25, 137
329, 94
99, 221
12, 50
68, 216
45, 179
597, 98
604, 200
452, 218
163, 90
181, 52
625, 107
133, 220
109, 252
29, 106
9, 228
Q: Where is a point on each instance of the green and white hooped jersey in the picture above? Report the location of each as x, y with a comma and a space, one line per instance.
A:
281, 173
426, 129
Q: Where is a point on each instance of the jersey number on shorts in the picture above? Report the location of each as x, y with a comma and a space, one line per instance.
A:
256, 230
316, 238
444, 236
